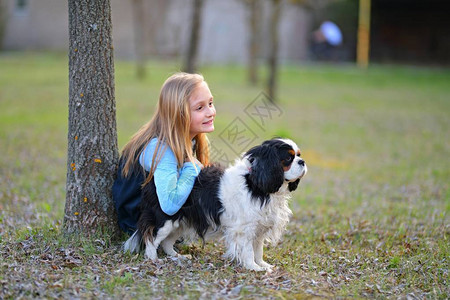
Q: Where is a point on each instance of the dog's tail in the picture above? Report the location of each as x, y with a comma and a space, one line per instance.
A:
133, 244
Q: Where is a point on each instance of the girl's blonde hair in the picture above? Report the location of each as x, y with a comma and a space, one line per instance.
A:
170, 124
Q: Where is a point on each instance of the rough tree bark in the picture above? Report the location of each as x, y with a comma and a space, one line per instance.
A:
191, 57
92, 148
273, 54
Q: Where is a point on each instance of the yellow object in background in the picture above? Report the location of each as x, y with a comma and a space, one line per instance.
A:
363, 47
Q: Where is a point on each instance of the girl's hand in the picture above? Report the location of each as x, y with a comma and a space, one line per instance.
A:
196, 161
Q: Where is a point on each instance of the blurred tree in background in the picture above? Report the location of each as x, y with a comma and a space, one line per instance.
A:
272, 60
254, 24
190, 65
3, 16
139, 37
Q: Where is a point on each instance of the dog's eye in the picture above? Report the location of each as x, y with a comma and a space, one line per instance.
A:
289, 158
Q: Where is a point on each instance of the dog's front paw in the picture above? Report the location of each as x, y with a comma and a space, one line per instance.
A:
150, 253
265, 265
153, 259
184, 256
254, 267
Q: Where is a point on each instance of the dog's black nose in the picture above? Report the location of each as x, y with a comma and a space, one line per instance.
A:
301, 162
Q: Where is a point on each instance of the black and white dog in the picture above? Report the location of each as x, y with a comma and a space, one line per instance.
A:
245, 205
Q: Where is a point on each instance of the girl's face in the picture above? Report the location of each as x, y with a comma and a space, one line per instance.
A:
202, 110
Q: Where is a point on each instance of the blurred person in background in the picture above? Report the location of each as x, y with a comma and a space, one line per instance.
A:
326, 41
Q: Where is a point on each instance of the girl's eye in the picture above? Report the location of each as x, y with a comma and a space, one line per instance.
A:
199, 108
211, 104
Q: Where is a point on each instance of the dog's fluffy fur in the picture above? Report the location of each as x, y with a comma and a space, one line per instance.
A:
245, 205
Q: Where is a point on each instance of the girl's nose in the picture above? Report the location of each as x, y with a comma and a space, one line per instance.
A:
211, 111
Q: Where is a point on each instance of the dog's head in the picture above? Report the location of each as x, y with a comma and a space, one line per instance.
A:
273, 163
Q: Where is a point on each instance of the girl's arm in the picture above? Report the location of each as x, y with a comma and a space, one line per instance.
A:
173, 186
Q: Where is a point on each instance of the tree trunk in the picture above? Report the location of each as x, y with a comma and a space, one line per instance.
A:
3, 21
272, 59
92, 148
191, 58
253, 47
139, 37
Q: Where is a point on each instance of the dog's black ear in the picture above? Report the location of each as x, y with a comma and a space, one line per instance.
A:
292, 186
266, 172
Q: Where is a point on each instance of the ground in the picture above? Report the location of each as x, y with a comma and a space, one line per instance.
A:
371, 218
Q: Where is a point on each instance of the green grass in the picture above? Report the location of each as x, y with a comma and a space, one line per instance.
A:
371, 218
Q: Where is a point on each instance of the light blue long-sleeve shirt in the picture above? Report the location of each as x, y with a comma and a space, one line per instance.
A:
173, 184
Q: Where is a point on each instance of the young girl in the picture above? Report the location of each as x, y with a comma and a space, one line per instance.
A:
163, 149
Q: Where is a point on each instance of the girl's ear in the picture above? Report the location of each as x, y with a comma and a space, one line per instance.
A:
266, 172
